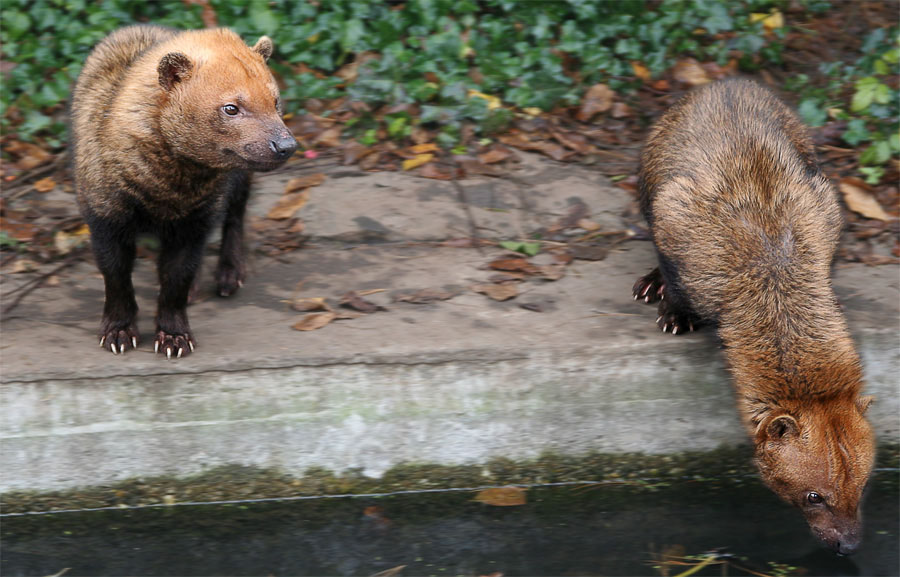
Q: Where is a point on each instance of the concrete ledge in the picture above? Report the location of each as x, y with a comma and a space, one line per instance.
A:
461, 381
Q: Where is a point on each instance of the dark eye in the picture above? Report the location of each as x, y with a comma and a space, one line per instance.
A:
230, 109
814, 498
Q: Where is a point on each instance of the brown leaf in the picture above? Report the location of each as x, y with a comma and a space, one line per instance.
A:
554, 151
307, 181
588, 251
370, 161
587, 225
859, 199
505, 277
688, 71
423, 296
45, 185
474, 166
314, 321
392, 572
502, 496
553, 271
599, 98
620, 110
287, 205
498, 292
354, 151
440, 172
574, 141
28, 155
575, 214
495, 154
305, 305
513, 264
354, 301
329, 138
20, 231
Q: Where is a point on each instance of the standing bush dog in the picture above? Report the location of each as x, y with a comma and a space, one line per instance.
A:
167, 127
746, 225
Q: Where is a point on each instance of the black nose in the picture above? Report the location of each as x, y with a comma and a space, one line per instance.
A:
283, 146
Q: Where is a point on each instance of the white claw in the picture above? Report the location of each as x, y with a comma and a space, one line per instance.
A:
112, 347
647, 299
102, 340
240, 283
156, 348
122, 348
666, 328
134, 342
635, 297
168, 353
691, 325
662, 296
675, 330
646, 288
659, 318
191, 344
180, 350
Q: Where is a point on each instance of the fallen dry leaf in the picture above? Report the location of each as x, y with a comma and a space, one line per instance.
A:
45, 185
440, 172
620, 110
416, 161
860, 200
640, 71
553, 271
502, 496
554, 151
505, 277
423, 148
305, 305
498, 292
329, 138
314, 321
22, 265
301, 182
513, 264
354, 301
496, 154
574, 141
689, 71
354, 151
423, 296
287, 205
599, 98
21, 231
392, 572
28, 155
588, 251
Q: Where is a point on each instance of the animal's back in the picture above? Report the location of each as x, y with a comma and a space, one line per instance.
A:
103, 74
736, 201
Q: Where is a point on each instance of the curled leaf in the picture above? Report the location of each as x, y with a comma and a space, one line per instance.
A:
860, 200
314, 321
498, 292
416, 161
502, 496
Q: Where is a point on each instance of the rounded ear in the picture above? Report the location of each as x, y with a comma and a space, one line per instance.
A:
863, 402
264, 47
173, 68
781, 427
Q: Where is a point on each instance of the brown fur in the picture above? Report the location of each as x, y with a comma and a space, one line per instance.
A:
746, 227
156, 150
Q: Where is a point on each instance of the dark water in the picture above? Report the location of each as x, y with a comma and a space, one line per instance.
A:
610, 530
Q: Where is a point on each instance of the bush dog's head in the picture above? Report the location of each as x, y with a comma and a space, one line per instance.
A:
819, 458
220, 105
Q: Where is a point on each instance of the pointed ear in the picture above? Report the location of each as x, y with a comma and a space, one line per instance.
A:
863, 402
781, 427
264, 47
173, 68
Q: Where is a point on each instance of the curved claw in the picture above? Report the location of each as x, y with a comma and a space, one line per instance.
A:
180, 351
168, 353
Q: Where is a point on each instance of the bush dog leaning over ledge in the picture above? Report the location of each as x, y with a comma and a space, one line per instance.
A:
745, 226
167, 127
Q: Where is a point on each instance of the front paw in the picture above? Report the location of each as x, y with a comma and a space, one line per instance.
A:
178, 344
675, 320
649, 288
118, 339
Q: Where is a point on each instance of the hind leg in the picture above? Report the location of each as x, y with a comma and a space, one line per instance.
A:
230, 271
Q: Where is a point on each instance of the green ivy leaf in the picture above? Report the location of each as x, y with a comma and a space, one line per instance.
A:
812, 112
526, 248
878, 153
